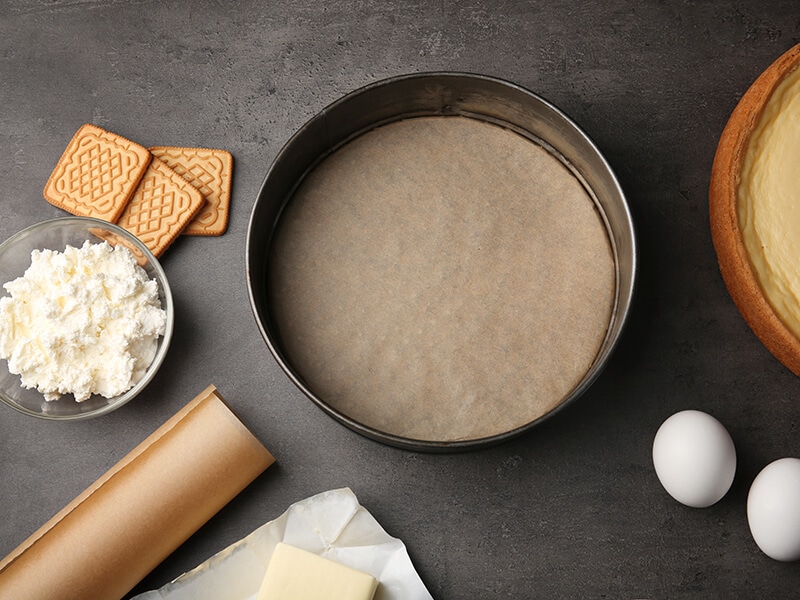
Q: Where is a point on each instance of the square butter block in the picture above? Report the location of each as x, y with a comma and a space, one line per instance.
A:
296, 574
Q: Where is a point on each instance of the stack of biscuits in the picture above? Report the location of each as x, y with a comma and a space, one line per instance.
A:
156, 193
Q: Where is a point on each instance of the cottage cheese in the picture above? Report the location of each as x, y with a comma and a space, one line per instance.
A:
84, 321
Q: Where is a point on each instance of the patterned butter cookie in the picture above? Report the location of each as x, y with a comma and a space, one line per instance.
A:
97, 174
210, 172
161, 207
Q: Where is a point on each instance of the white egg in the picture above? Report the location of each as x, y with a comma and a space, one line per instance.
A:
694, 458
773, 509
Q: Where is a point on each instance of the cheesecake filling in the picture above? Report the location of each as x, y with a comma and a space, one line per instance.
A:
768, 203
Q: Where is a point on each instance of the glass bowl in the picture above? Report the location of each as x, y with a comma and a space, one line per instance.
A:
56, 234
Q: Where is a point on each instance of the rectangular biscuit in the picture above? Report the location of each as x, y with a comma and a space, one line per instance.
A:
97, 174
210, 172
161, 207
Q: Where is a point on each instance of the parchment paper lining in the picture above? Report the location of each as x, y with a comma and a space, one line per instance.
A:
442, 278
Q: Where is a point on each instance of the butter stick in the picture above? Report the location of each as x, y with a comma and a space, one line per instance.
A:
296, 574
113, 534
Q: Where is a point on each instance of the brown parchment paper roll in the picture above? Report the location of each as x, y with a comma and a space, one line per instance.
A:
121, 527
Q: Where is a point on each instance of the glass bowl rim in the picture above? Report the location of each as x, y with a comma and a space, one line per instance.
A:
165, 291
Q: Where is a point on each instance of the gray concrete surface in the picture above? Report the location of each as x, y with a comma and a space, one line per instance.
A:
572, 509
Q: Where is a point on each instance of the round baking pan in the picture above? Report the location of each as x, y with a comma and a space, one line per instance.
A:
480, 99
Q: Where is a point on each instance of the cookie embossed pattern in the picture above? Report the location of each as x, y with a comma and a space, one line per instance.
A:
208, 170
97, 174
157, 194
161, 207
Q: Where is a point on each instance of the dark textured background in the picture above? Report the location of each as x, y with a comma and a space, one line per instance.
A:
572, 509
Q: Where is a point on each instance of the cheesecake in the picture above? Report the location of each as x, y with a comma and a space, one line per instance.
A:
754, 206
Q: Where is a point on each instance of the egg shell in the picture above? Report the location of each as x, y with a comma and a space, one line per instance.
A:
773, 509
694, 458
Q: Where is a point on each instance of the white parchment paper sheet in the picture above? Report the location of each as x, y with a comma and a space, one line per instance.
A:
332, 524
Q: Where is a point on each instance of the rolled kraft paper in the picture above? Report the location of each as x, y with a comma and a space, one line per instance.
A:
112, 535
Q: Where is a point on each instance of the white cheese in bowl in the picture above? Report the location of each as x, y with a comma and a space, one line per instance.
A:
84, 321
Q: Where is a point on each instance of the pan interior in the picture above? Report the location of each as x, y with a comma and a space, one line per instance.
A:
442, 279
